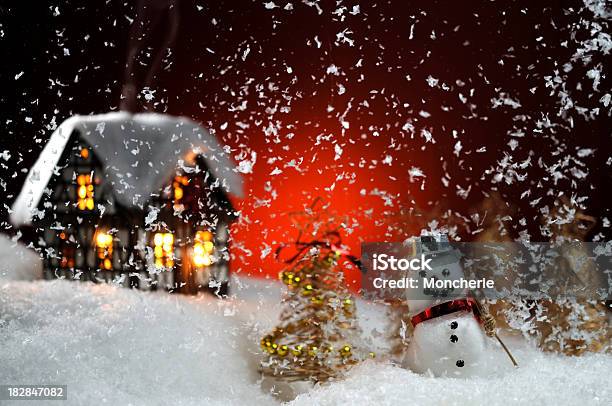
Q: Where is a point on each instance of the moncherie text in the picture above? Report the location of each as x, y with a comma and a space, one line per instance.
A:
433, 283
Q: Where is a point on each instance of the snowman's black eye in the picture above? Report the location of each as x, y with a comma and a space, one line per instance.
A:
454, 338
454, 325
460, 363
445, 272
422, 274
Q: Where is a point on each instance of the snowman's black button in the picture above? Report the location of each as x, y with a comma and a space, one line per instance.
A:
445, 272
422, 274
460, 363
454, 338
454, 325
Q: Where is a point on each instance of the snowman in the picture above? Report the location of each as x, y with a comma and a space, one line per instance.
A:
448, 339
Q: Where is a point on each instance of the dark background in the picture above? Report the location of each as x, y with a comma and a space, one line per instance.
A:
72, 55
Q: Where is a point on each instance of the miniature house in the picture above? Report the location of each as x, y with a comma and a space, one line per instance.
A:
138, 200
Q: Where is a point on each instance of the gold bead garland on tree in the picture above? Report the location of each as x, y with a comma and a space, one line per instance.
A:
314, 338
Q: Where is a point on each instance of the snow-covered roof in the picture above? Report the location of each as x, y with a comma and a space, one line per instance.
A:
139, 153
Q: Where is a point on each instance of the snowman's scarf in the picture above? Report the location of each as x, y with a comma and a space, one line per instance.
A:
458, 305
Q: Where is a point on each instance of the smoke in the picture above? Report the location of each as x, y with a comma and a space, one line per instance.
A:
152, 34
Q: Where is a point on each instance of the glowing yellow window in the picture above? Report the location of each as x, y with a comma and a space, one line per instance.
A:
163, 250
178, 187
85, 192
104, 249
203, 249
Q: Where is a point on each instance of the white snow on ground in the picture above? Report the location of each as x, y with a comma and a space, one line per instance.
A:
117, 346
18, 262
540, 380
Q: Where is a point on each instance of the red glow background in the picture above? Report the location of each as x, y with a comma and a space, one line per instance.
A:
263, 80
271, 225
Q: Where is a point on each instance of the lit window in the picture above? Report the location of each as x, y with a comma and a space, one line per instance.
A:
67, 252
104, 248
178, 186
163, 250
203, 249
85, 192
84, 153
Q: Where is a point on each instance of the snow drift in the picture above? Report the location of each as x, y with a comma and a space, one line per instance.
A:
18, 262
113, 345
540, 380
117, 346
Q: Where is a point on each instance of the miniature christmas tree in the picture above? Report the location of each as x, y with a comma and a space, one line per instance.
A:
315, 339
